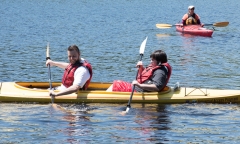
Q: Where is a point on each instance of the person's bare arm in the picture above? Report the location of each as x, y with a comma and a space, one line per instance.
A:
148, 87
67, 91
62, 65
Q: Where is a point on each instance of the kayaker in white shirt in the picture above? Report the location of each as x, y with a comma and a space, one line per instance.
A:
77, 74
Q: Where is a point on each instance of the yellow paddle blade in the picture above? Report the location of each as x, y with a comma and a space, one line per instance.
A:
163, 26
221, 24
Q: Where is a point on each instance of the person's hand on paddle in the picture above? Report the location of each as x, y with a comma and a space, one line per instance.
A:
135, 82
140, 69
49, 62
141, 51
140, 66
140, 63
52, 93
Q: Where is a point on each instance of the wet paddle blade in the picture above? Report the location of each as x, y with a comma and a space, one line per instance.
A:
142, 47
58, 107
127, 110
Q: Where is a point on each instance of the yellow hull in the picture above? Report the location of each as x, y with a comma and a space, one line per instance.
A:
37, 92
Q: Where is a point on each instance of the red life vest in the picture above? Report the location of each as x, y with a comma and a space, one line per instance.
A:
68, 76
148, 72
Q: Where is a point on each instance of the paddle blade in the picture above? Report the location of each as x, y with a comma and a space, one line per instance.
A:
127, 110
162, 26
221, 24
58, 107
142, 47
47, 52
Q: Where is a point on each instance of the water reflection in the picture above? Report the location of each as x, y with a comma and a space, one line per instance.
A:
109, 37
76, 120
152, 122
163, 35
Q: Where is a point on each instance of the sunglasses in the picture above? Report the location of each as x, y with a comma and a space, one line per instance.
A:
192, 9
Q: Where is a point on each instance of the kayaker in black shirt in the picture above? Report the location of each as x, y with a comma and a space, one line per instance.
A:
150, 79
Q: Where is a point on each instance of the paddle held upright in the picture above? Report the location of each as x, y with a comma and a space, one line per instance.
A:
49, 72
141, 51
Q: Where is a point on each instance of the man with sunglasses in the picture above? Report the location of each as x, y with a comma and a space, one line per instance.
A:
191, 18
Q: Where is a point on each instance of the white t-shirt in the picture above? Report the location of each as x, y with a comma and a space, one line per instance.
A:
81, 75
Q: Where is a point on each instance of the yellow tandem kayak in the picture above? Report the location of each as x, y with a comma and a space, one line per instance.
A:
37, 92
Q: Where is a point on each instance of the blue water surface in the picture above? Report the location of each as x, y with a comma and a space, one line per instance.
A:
109, 34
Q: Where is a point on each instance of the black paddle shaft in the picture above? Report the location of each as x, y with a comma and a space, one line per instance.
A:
133, 87
50, 81
49, 74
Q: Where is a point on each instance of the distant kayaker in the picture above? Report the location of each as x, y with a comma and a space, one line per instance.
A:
77, 73
191, 18
152, 78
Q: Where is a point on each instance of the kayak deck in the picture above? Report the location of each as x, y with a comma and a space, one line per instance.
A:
37, 92
194, 30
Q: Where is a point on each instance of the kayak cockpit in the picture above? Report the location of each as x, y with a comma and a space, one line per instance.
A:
93, 86
34, 85
45, 85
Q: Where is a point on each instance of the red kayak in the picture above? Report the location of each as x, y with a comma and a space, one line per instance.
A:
194, 30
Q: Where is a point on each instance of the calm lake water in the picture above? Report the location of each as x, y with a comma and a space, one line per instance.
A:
109, 34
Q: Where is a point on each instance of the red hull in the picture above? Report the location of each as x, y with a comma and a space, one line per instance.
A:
194, 30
